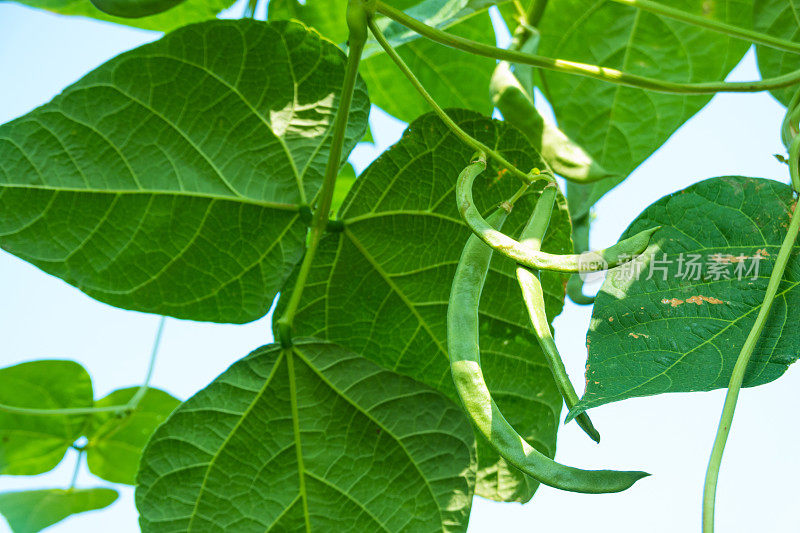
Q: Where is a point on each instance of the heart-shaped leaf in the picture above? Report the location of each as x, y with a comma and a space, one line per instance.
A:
169, 180
33, 444
310, 438
675, 319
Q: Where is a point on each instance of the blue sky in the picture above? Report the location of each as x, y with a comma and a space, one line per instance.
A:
669, 436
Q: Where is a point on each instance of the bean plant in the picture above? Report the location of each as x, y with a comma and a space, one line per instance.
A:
204, 175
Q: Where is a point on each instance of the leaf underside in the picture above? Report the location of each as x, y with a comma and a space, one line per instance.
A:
169, 179
309, 438
622, 126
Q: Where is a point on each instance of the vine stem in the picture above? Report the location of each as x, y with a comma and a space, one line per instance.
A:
460, 133
357, 21
132, 404
77, 470
606, 74
737, 377
713, 25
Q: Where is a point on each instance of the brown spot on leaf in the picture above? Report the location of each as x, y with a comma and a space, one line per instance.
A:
638, 335
674, 302
700, 299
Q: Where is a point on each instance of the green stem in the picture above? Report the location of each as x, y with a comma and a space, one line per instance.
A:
357, 16
794, 161
137, 397
75, 411
713, 25
739, 369
77, 469
610, 75
460, 133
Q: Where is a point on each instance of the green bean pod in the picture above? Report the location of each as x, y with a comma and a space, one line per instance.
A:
533, 295
465, 365
592, 261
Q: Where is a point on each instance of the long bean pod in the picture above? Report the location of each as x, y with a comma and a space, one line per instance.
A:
465, 365
615, 255
533, 295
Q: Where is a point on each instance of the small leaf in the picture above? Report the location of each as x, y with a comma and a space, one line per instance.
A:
115, 441
33, 444
188, 12
380, 287
35, 510
169, 179
310, 438
679, 324
780, 18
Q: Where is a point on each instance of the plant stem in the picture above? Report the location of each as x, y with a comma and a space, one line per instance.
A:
77, 469
794, 161
137, 397
357, 38
460, 133
130, 406
737, 377
713, 25
610, 75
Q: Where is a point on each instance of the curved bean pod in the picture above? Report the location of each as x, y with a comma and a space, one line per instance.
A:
465, 365
615, 255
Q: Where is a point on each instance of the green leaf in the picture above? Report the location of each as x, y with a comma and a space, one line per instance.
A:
309, 438
780, 18
622, 126
35, 444
380, 287
682, 330
169, 179
188, 12
116, 441
453, 78
34, 510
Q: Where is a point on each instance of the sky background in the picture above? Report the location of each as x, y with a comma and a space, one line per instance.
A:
669, 436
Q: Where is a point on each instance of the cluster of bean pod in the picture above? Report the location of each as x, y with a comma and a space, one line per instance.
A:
462, 329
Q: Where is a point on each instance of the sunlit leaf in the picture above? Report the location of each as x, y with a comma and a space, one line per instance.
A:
33, 444
34, 510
